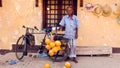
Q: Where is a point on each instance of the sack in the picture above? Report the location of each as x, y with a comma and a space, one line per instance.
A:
31, 39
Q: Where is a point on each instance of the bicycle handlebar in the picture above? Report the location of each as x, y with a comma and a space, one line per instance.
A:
27, 27
36, 28
46, 30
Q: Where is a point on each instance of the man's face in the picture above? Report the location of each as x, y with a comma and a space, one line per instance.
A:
69, 11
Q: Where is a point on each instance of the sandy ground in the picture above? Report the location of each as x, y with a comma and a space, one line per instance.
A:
84, 62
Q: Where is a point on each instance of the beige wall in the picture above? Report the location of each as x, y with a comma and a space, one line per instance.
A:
94, 31
13, 15
98, 30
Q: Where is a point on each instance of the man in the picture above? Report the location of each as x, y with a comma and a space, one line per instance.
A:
71, 24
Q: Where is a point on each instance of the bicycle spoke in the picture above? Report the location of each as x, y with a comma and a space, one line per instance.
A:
56, 55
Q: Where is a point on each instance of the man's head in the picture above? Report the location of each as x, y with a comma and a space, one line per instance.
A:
69, 10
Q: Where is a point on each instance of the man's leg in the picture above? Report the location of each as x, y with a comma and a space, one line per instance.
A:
72, 43
74, 50
70, 53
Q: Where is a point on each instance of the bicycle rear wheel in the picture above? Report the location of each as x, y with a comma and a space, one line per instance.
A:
21, 47
61, 55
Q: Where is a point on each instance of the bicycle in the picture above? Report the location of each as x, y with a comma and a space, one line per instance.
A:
28, 39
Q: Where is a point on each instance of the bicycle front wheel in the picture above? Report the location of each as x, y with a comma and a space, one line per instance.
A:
20, 47
61, 55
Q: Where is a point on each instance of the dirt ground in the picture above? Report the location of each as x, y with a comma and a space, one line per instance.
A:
84, 62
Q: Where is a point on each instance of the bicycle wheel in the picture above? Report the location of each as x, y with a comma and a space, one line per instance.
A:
21, 47
61, 55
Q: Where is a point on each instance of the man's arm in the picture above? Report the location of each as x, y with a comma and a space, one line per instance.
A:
62, 23
78, 25
76, 36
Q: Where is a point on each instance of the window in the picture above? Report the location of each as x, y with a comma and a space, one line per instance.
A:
36, 3
54, 10
81, 3
0, 3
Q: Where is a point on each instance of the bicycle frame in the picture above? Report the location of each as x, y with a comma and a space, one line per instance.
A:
25, 47
27, 38
47, 33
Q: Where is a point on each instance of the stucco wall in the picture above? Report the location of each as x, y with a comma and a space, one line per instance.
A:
13, 15
94, 31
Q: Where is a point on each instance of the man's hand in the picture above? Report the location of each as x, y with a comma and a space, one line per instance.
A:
60, 28
76, 36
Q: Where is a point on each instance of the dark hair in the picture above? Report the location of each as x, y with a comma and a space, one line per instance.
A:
69, 7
